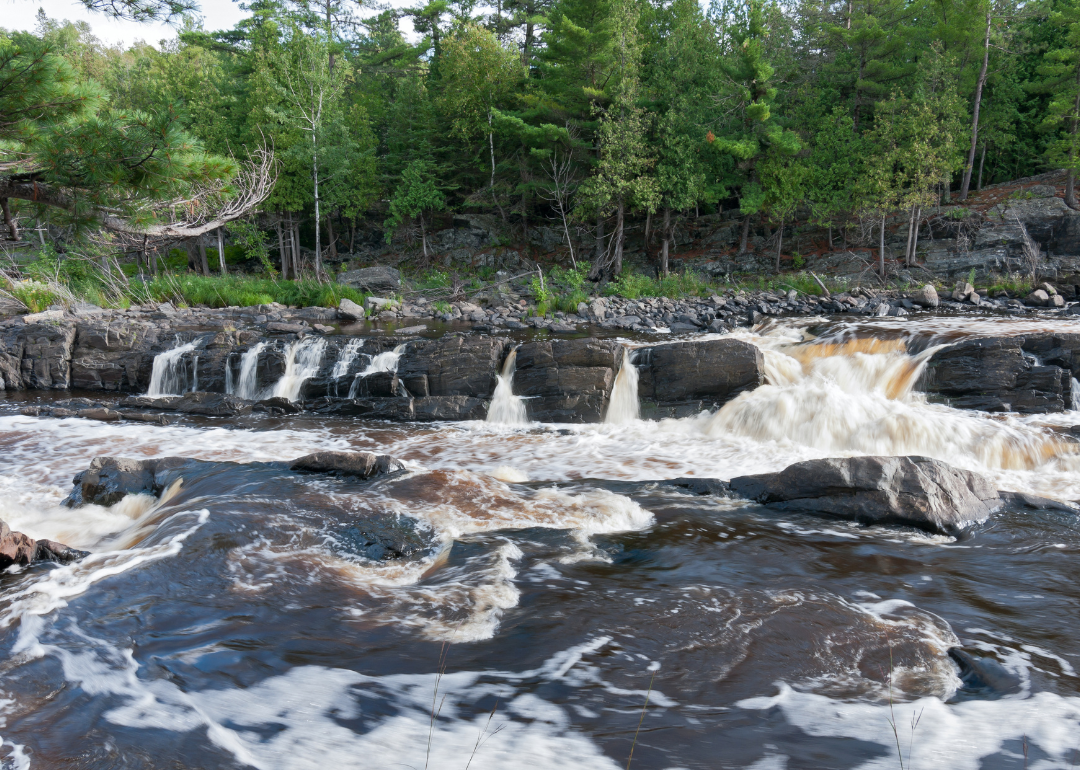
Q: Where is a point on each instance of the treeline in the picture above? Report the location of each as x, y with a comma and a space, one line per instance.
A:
586, 113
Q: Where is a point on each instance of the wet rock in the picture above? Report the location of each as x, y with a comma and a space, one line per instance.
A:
436, 408
276, 405
280, 327
201, 403
396, 409
46, 355
377, 280
1036, 503
101, 414
363, 465
378, 385
697, 486
113, 355
454, 365
385, 538
17, 549
995, 375
109, 480
984, 675
916, 491
685, 378
566, 380
349, 309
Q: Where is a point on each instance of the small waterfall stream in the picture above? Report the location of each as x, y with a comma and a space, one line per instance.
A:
302, 361
624, 406
506, 408
247, 386
344, 362
384, 362
171, 375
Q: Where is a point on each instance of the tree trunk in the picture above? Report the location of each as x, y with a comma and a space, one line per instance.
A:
204, 266
330, 239
423, 237
601, 240
491, 184
281, 251
1070, 180
744, 238
648, 229
881, 251
154, 262
830, 238
666, 235
915, 236
779, 245
965, 186
315, 178
13, 228
298, 258
907, 248
221, 251
620, 216
982, 159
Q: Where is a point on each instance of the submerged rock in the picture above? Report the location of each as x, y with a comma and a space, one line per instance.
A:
208, 404
983, 674
361, 464
21, 550
916, 491
109, 480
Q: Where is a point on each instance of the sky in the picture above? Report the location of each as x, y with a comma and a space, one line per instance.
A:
216, 14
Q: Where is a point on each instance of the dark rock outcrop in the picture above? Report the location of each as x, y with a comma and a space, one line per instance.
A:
377, 280
915, 491
566, 380
685, 378
385, 539
363, 465
109, 480
199, 402
454, 365
117, 356
998, 375
21, 550
435, 408
46, 355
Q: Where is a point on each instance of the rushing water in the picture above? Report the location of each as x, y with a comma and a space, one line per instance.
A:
173, 374
383, 362
230, 624
506, 408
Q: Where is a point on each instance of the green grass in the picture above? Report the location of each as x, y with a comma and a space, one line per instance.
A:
1014, 284
242, 291
36, 296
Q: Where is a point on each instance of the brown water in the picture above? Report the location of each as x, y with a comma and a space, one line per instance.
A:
233, 626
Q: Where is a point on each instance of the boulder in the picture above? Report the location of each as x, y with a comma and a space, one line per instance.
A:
363, 465
927, 296
914, 491
995, 375
109, 480
350, 309
17, 549
962, 290
454, 365
566, 380
680, 379
199, 402
377, 280
1038, 298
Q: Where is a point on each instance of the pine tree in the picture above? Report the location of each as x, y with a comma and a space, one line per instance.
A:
1060, 80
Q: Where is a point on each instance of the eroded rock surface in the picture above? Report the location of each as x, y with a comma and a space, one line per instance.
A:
684, 378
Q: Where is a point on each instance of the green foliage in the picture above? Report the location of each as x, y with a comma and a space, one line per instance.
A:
415, 194
676, 286
36, 296
251, 243
442, 307
237, 291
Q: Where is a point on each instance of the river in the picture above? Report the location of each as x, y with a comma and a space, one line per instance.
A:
574, 612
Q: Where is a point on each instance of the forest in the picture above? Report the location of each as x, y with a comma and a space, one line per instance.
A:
312, 126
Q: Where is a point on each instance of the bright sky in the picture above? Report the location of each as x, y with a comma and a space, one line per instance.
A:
216, 14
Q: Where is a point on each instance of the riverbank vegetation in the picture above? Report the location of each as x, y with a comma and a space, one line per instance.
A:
310, 131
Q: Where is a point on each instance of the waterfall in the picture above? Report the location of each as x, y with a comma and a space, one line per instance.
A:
384, 362
170, 374
624, 406
302, 361
248, 387
345, 358
506, 408
229, 386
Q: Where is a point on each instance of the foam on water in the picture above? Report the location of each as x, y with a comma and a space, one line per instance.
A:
302, 361
170, 375
383, 362
506, 408
247, 386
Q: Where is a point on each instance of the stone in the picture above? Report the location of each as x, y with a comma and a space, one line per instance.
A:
378, 304
994, 375
1056, 301
109, 480
454, 365
412, 329
385, 538
566, 380
685, 378
962, 290
1050, 290
1038, 298
350, 310
377, 280
363, 465
48, 315
458, 408
1041, 191
201, 403
115, 355
280, 327
396, 409
913, 491
46, 355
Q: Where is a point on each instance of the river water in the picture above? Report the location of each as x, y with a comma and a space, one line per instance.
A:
574, 611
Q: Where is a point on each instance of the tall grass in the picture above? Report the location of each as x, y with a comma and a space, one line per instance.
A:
242, 291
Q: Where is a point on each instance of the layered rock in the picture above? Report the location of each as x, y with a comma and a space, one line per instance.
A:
566, 380
454, 365
681, 379
1000, 375
362, 465
17, 549
915, 491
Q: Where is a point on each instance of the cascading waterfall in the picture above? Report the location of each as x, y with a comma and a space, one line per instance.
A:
171, 375
345, 359
229, 385
624, 406
858, 396
247, 387
384, 362
506, 408
302, 361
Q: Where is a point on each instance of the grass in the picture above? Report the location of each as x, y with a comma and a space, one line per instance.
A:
243, 291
